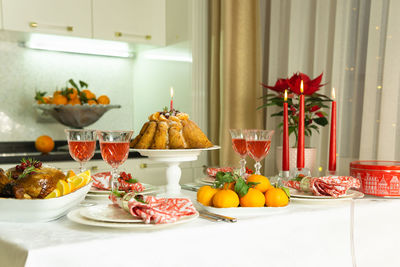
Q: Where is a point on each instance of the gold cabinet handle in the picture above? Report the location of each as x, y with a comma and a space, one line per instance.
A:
94, 168
36, 25
120, 34
143, 165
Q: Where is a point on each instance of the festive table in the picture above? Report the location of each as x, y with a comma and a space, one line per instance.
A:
302, 235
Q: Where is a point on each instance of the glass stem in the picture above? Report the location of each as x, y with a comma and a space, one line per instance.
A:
258, 167
242, 167
114, 180
81, 167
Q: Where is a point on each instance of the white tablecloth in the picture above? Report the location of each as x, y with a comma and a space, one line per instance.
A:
302, 235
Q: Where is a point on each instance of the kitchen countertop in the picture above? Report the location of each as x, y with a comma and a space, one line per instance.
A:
12, 152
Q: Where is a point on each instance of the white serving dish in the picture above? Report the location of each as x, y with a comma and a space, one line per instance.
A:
244, 211
40, 210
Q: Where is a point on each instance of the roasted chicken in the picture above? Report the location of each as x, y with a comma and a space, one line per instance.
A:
34, 183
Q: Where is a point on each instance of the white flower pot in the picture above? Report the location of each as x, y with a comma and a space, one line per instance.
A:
310, 155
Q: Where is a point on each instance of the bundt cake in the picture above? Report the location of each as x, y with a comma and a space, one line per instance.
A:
170, 130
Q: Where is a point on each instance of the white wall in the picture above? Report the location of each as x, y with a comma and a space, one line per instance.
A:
152, 79
24, 70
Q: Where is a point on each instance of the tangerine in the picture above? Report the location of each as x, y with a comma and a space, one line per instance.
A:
44, 144
73, 93
276, 197
74, 101
263, 183
103, 99
205, 195
230, 186
253, 198
60, 99
226, 198
92, 102
89, 95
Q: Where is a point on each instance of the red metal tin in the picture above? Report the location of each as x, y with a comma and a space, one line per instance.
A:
379, 178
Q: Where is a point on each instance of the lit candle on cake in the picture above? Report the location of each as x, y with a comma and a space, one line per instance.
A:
332, 141
285, 143
171, 107
300, 138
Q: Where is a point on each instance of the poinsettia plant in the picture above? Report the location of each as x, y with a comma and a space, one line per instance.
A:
314, 102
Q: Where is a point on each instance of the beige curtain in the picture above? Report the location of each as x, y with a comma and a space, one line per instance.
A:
356, 44
235, 73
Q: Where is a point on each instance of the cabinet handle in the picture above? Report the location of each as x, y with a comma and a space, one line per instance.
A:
36, 25
120, 34
94, 168
143, 165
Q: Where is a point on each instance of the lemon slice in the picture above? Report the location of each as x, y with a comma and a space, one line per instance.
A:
79, 180
70, 173
63, 187
53, 194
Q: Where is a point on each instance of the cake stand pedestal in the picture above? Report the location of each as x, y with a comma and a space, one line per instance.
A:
172, 158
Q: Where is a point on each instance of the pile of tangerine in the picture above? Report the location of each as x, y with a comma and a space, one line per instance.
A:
263, 194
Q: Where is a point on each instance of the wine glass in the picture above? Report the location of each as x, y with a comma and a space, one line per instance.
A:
258, 143
239, 146
114, 146
81, 144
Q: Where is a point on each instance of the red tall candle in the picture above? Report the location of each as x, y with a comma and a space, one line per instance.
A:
171, 106
300, 137
332, 141
285, 143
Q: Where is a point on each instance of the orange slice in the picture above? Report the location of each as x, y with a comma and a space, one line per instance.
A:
53, 194
63, 187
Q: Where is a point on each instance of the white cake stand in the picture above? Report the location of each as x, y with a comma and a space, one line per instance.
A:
173, 157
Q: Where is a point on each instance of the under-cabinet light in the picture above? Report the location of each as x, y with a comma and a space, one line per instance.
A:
78, 45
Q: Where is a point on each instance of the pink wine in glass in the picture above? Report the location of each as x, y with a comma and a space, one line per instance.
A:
258, 149
114, 153
82, 151
239, 145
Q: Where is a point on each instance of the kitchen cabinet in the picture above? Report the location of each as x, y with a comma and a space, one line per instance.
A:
157, 22
65, 17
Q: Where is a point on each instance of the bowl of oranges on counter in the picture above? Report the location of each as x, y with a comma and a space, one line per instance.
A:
75, 105
232, 195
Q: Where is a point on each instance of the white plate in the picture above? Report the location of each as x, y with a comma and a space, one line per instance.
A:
76, 217
148, 188
349, 195
40, 210
208, 180
244, 211
108, 213
173, 153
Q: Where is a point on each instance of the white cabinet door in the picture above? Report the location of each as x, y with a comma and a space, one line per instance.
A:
66, 17
157, 22
129, 20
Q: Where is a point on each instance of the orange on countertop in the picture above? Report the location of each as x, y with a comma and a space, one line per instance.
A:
44, 144
264, 184
276, 197
253, 198
226, 198
205, 195
92, 102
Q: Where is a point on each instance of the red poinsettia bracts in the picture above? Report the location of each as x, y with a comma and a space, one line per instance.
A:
280, 85
314, 101
293, 84
310, 86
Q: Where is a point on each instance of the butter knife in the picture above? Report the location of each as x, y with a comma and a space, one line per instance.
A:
222, 217
210, 218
